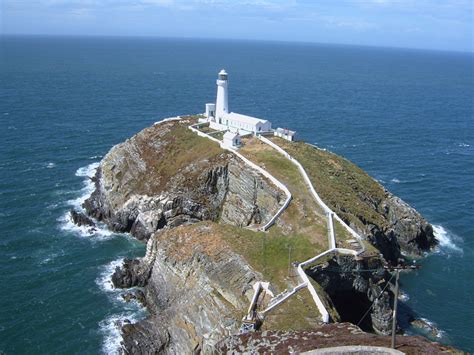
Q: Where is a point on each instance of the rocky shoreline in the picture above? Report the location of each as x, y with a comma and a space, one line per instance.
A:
176, 192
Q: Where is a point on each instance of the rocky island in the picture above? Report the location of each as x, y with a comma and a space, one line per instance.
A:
201, 210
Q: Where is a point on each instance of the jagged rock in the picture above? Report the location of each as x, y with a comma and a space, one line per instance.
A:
196, 288
428, 327
81, 219
131, 194
352, 291
130, 274
195, 292
136, 295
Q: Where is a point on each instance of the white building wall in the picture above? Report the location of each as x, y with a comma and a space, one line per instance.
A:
222, 100
210, 110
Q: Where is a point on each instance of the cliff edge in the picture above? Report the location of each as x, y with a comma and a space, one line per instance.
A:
200, 208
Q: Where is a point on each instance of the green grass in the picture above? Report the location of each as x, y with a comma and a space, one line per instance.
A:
303, 216
182, 148
178, 148
268, 253
343, 186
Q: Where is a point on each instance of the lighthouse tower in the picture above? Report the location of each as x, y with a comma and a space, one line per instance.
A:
222, 102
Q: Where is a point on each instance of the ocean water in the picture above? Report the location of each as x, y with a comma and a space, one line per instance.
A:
405, 116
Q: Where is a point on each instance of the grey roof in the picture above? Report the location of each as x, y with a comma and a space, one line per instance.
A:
285, 131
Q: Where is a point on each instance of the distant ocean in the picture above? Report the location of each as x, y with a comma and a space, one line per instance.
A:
405, 116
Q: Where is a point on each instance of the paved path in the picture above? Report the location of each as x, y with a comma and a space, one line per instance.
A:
305, 282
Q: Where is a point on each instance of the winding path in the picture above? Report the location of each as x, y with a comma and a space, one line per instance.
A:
331, 215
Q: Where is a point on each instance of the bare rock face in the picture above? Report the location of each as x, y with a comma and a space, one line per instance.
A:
414, 233
352, 291
196, 288
150, 182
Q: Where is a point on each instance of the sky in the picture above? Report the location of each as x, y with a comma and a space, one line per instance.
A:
425, 24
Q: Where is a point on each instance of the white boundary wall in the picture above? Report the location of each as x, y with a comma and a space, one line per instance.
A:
262, 171
305, 280
330, 214
315, 194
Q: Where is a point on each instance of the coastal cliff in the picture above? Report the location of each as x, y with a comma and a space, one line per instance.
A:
165, 176
199, 209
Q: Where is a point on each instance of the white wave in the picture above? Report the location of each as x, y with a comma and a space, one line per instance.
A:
403, 296
111, 328
463, 145
100, 230
88, 170
445, 239
104, 281
433, 327
50, 165
395, 180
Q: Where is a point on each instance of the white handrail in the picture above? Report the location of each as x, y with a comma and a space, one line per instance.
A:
262, 171
313, 191
332, 243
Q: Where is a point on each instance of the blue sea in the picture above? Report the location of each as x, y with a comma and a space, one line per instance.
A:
405, 116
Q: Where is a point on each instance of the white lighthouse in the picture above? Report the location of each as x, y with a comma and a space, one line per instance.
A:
222, 101
221, 119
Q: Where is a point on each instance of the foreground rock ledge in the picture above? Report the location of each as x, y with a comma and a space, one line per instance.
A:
324, 336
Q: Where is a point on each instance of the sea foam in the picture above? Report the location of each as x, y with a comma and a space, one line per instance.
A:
66, 224
133, 312
110, 328
446, 239
104, 281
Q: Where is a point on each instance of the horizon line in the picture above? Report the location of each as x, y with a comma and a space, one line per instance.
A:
235, 39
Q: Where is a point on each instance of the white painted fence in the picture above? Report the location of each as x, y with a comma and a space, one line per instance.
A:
315, 194
332, 237
284, 298
262, 171
177, 118
332, 243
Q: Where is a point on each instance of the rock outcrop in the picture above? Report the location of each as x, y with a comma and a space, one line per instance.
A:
353, 285
152, 181
196, 290
80, 219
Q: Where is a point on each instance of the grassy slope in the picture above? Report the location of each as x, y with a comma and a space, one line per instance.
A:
268, 253
303, 218
181, 148
345, 188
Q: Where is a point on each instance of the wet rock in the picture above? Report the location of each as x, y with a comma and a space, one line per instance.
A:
426, 326
130, 274
80, 219
136, 295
